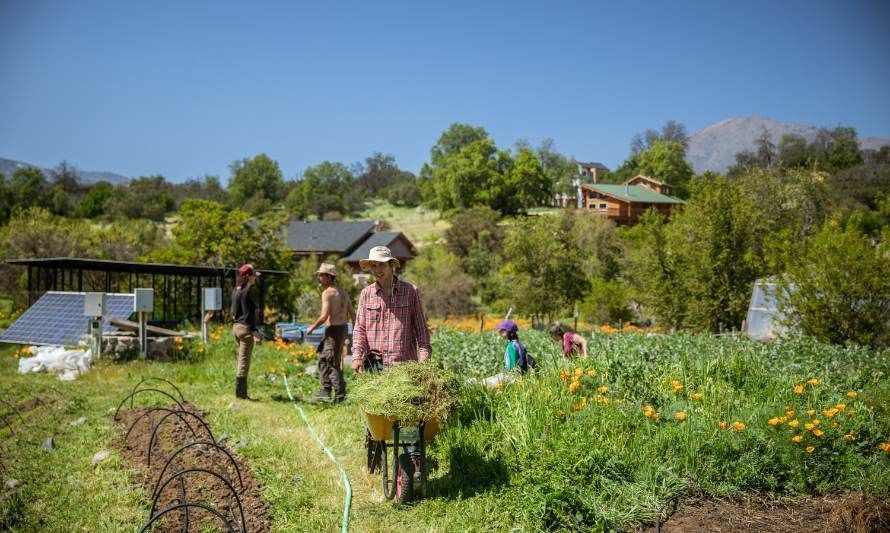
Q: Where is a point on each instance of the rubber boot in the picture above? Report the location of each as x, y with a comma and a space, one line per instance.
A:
241, 388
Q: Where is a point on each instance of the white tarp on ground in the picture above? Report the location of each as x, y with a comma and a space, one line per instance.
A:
67, 363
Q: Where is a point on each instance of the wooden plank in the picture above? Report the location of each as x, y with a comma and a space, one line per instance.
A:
134, 326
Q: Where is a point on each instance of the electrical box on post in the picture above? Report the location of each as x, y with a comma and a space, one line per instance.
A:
212, 299
144, 300
94, 304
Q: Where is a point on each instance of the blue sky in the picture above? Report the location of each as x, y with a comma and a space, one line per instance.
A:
184, 88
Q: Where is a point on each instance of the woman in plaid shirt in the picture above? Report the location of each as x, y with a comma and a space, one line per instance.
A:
389, 323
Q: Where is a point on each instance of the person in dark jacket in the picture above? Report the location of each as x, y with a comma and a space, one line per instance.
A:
247, 327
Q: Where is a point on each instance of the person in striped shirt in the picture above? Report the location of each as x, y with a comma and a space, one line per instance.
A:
390, 325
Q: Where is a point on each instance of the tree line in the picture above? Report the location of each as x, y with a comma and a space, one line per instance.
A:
814, 217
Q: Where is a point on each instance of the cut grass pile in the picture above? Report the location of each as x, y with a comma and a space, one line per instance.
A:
408, 392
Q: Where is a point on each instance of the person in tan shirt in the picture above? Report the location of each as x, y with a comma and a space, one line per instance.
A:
336, 313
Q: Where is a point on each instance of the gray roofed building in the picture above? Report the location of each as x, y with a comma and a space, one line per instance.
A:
594, 164
327, 237
401, 248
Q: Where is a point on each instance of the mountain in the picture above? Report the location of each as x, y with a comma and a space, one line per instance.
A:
8, 166
714, 147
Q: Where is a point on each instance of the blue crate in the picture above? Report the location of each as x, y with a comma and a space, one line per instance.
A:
296, 332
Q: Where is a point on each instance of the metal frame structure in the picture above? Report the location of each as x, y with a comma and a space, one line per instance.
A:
177, 287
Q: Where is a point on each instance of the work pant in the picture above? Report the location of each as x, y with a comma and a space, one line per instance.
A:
330, 360
244, 340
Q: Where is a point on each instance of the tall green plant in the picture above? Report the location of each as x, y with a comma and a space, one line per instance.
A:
837, 287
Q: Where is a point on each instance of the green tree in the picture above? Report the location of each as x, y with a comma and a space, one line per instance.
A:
28, 187
325, 188
454, 139
657, 272
95, 201
210, 234
844, 151
793, 201
860, 186
445, 288
206, 188
672, 131
476, 238
58, 201
837, 288
792, 151
404, 193
470, 226
5, 200
666, 161
256, 182
721, 231
144, 197
542, 274
559, 169
600, 244
466, 178
380, 173
36, 232
606, 302
628, 169
697, 270
524, 185
467, 169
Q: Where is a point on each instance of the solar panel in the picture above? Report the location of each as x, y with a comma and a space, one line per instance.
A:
57, 319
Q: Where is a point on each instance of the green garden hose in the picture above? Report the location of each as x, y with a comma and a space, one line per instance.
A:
345, 524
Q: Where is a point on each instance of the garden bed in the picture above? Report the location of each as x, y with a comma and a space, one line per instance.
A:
200, 486
852, 512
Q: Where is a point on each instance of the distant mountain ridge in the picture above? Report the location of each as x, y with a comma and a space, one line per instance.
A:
8, 166
714, 147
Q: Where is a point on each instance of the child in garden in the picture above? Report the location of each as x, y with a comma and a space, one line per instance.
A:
515, 356
572, 343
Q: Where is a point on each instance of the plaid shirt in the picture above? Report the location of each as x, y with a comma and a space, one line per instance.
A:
394, 326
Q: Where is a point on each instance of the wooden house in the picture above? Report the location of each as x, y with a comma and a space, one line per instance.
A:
625, 203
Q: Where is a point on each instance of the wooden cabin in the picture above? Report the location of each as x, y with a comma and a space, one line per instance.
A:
625, 203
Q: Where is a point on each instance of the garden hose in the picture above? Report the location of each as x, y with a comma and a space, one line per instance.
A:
345, 523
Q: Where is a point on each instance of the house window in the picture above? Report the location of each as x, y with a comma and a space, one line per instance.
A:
603, 207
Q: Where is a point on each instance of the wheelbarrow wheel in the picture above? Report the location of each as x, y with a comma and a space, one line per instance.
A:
405, 478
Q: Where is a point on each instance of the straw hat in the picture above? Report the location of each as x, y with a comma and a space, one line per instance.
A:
379, 254
327, 268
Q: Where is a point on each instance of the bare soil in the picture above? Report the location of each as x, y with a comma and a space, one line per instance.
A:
842, 513
197, 486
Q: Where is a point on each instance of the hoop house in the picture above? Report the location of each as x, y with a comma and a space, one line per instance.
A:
765, 321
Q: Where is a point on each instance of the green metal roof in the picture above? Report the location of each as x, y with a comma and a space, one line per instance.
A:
635, 193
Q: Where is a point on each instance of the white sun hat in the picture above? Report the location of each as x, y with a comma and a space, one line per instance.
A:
379, 254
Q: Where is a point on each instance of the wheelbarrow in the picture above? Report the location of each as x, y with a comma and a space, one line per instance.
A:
408, 444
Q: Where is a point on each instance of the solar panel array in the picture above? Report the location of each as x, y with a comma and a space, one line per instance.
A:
57, 319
